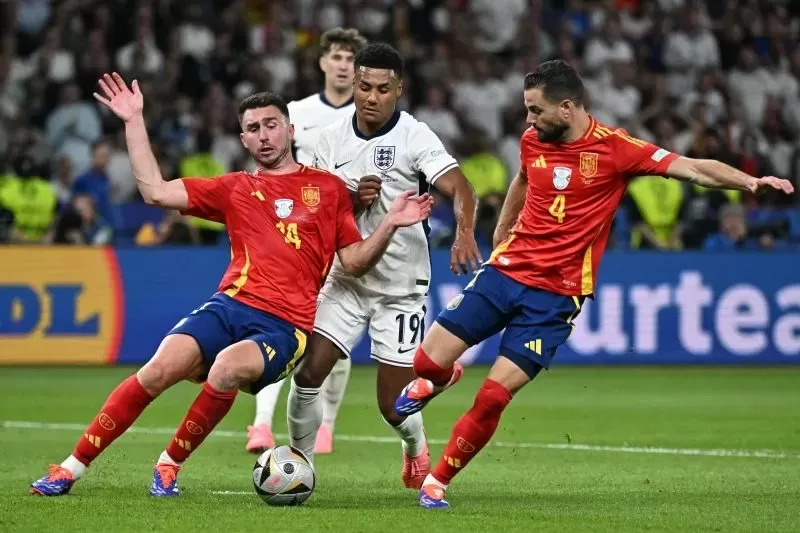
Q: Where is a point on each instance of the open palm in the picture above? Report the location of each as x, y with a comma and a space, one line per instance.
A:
407, 211
124, 102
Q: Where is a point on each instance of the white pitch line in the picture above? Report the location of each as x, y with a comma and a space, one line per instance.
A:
656, 450
234, 492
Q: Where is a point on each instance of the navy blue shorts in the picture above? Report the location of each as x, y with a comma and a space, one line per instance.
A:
223, 321
536, 322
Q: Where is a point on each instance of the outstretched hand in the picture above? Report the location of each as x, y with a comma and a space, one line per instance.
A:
761, 185
124, 102
407, 211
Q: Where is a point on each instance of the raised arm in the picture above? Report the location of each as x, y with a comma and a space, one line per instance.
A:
128, 104
512, 206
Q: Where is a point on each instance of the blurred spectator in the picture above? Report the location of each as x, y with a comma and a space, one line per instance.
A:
689, 49
734, 233
73, 127
438, 117
703, 77
202, 164
31, 201
81, 224
484, 170
95, 181
655, 208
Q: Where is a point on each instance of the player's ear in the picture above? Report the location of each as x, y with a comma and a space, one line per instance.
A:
566, 107
241, 138
399, 88
322, 63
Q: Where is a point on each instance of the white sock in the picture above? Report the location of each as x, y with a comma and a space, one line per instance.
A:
304, 416
430, 480
165, 458
412, 434
333, 391
73, 465
266, 400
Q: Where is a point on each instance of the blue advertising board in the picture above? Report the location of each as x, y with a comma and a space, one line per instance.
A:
650, 308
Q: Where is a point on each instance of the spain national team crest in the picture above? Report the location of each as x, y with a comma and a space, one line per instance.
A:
283, 207
383, 157
588, 165
310, 195
561, 177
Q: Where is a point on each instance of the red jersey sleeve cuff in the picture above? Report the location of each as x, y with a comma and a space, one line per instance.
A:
667, 160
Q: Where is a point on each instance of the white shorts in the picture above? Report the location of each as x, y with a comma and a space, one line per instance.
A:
395, 324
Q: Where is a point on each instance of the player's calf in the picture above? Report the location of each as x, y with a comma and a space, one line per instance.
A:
236, 366
410, 429
304, 411
470, 434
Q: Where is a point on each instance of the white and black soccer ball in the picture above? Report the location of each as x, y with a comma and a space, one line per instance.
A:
283, 476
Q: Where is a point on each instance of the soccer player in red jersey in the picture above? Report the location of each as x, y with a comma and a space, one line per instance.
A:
285, 221
549, 240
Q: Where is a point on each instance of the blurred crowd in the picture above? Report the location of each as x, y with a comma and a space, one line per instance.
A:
712, 79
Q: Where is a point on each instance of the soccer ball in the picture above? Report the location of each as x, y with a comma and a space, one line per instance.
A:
283, 476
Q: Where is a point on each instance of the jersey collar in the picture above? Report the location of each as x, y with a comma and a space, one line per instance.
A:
324, 100
590, 129
383, 131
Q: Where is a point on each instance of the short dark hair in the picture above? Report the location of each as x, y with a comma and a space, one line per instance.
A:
380, 55
265, 99
347, 38
558, 81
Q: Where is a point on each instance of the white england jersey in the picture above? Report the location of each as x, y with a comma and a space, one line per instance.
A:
407, 156
309, 116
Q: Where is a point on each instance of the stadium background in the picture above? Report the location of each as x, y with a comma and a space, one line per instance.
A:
89, 274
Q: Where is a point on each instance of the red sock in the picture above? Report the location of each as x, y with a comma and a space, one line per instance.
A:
424, 367
210, 406
473, 430
123, 406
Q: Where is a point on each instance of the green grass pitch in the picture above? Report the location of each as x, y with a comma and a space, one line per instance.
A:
581, 449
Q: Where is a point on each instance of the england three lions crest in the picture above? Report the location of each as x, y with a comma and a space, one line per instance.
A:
561, 177
383, 157
283, 207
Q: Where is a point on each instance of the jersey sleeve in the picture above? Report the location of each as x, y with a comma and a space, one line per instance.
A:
208, 197
347, 232
635, 157
428, 154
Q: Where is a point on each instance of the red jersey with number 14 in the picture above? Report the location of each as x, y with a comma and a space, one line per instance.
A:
573, 191
284, 231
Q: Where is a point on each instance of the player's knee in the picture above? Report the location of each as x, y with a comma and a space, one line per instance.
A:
308, 377
424, 366
234, 369
158, 375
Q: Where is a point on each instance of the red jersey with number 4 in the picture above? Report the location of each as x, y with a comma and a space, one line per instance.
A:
284, 231
573, 191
